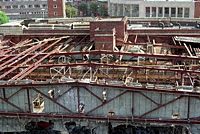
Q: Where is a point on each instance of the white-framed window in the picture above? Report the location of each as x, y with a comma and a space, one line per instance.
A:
30, 6
180, 12
186, 12
160, 11
8, 7
166, 12
15, 6
22, 6
147, 11
154, 11
37, 6
173, 12
55, 13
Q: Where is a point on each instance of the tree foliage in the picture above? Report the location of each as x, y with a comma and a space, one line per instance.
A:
83, 8
94, 8
71, 11
3, 18
103, 10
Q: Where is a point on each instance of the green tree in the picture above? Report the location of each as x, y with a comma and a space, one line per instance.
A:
83, 8
3, 18
71, 11
94, 8
103, 10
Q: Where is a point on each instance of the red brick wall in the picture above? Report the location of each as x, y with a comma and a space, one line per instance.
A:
105, 32
103, 42
109, 25
55, 12
197, 9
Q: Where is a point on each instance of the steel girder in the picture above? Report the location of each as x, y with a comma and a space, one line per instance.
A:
10, 95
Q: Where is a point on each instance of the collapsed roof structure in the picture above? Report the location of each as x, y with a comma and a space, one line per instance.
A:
103, 71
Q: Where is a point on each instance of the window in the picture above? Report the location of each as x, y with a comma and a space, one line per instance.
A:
153, 12
8, 7
0, 7
55, 13
15, 6
120, 8
186, 12
166, 12
22, 6
127, 10
54, 6
135, 11
147, 11
115, 9
173, 12
44, 5
22, 12
30, 6
160, 12
180, 12
37, 6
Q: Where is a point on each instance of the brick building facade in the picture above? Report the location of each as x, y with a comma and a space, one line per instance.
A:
56, 8
27, 9
197, 9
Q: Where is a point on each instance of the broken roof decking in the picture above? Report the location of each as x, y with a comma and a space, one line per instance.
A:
42, 58
148, 78
55, 59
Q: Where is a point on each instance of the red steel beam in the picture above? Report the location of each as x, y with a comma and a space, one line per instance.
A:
54, 101
8, 102
30, 69
5, 57
129, 88
99, 52
165, 32
20, 56
29, 59
93, 94
28, 100
14, 94
148, 98
78, 97
92, 64
108, 101
101, 118
63, 94
160, 106
157, 45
